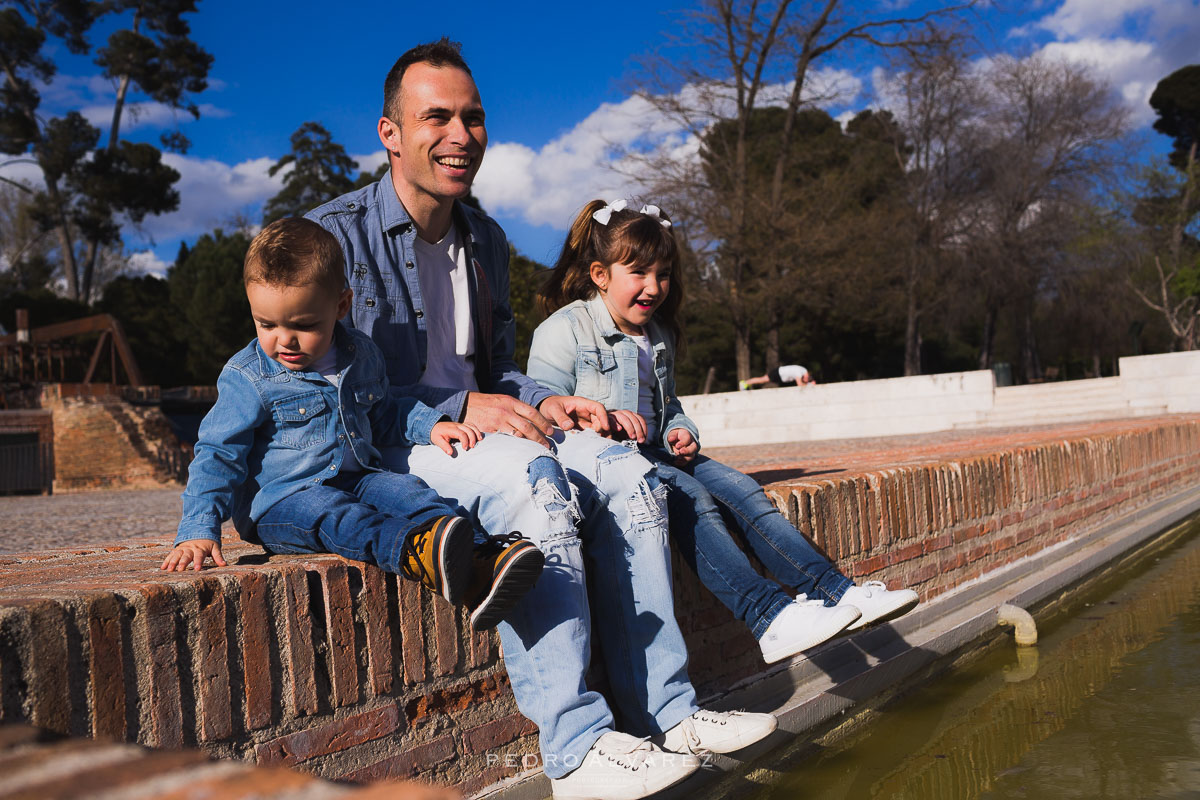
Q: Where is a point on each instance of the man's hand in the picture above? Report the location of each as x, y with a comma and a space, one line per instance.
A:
464, 433
569, 411
193, 552
499, 413
633, 425
685, 446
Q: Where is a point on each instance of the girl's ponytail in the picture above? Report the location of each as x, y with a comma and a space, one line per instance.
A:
571, 277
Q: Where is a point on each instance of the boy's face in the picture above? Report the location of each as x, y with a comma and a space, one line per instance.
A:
295, 323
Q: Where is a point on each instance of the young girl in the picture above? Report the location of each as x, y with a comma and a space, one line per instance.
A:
613, 302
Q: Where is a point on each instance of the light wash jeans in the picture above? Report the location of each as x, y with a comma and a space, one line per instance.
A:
707, 499
605, 527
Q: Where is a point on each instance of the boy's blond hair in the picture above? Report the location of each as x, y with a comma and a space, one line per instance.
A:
294, 251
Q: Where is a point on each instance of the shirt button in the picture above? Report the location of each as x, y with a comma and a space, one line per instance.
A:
369, 302
333, 467
301, 410
351, 206
340, 437
420, 313
409, 264
351, 434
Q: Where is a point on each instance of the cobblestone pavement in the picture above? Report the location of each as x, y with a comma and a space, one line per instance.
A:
83, 519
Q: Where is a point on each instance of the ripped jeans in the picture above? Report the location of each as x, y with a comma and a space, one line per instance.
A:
613, 507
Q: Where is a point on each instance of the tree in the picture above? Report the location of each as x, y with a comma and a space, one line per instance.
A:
1176, 101
206, 287
151, 323
1052, 134
748, 55
935, 143
24, 247
320, 171
88, 190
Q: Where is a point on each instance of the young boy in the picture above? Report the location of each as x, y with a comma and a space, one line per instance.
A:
289, 450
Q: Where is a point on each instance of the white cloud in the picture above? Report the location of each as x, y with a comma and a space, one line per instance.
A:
546, 186
211, 194
146, 262
148, 115
1133, 43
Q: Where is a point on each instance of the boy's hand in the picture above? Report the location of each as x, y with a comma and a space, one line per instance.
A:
684, 445
464, 433
632, 424
193, 552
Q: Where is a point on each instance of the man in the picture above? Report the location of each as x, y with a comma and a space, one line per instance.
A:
430, 283
785, 373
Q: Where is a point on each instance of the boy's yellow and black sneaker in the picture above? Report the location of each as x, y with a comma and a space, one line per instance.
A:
506, 567
440, 557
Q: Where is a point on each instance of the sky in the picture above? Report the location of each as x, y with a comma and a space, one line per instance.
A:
555, 80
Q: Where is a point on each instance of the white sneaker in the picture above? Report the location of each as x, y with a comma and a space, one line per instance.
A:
717, 732
803, 624
877, 603
623, 767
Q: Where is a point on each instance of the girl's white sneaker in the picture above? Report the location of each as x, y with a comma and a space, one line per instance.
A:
877, 603
802, 624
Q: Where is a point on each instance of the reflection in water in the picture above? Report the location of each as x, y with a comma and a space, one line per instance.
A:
1106, 706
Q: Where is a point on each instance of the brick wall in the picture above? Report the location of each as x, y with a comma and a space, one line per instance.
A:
338, 669
102, 441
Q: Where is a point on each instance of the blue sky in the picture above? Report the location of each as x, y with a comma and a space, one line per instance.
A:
554, 79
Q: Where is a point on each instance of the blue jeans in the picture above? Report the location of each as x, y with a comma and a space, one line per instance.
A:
595, 509
366, 516
708, 498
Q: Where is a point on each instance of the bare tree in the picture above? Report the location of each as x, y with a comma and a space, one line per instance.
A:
1052, 134
747, 54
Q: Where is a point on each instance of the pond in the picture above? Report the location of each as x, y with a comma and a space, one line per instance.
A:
1107, 705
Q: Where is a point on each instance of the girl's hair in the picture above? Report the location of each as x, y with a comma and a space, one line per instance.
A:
631, 238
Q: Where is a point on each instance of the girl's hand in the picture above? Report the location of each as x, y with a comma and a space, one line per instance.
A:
631, 424
464, 433
194, 552
685, 446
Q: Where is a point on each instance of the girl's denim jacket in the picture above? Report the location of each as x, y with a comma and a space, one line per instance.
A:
273, 431
579, 350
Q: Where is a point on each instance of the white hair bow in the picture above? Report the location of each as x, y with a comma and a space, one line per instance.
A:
656, 212
603, 215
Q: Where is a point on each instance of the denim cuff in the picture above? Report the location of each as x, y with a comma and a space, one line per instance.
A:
202, 527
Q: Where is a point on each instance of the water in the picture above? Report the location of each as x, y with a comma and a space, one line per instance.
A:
1106, 706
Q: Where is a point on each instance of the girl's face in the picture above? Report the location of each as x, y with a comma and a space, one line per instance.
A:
632, 293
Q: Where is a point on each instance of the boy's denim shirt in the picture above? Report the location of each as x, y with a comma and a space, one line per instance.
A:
377, 236
274, 431
579, 350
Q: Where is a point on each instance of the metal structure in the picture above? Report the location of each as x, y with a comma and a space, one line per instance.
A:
30, 355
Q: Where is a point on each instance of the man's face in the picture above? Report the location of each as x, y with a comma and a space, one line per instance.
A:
440, 137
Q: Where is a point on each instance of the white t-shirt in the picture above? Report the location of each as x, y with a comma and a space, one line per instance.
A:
327, 366
450, 353
646, 384
791, 373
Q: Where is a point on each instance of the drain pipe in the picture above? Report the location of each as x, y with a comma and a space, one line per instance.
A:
1023, 625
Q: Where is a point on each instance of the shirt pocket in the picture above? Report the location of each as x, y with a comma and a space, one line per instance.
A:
302, 420
595, 369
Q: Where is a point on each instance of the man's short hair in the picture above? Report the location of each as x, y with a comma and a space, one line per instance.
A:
294, 251
442, 53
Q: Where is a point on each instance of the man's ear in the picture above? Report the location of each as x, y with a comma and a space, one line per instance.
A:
389, 135
343, 306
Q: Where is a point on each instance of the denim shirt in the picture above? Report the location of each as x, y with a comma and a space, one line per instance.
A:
580, 350
274, 431
377, 236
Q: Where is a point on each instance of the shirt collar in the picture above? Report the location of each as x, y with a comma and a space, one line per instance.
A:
270, 368
393, 211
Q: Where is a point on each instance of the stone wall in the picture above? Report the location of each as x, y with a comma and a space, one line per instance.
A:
341, 670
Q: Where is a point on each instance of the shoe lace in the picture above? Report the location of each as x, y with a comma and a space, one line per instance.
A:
495, 544
871, 586
633, 758
411, 554
804, 600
